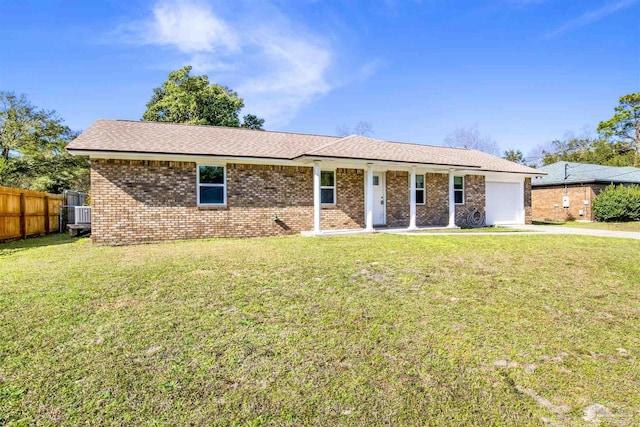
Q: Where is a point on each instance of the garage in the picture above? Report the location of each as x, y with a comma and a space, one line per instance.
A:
504, 203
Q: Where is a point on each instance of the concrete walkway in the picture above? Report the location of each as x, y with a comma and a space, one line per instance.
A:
517, 230
529, 229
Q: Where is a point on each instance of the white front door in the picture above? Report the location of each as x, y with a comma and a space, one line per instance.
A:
379, 200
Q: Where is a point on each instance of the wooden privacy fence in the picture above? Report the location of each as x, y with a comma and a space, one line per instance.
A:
26, 213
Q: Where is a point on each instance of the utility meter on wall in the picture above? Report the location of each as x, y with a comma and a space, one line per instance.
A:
565, 201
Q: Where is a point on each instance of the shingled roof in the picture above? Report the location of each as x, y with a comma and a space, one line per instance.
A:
561, 173
122, 136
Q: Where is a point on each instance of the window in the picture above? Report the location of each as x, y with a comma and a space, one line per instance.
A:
458, 189
328, 187
211, 185
420, 196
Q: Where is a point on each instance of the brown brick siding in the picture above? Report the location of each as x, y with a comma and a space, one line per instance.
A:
397, 198
474, 197
435, 212
349, 210
267, 186
138, 201
545, 199
528, 213
436, 209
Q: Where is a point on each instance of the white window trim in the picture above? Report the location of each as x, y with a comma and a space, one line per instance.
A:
223, 185
423, 189
463, 189
329, 187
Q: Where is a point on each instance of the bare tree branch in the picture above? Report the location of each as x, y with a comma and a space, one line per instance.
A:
470, 138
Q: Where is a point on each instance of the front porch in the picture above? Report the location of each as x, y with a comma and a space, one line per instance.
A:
392, 197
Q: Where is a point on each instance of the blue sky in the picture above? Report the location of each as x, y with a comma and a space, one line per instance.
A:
523, 71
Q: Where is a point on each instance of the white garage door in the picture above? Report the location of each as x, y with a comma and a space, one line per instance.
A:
504, 203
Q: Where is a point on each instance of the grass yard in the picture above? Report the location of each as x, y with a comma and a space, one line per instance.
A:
356, 330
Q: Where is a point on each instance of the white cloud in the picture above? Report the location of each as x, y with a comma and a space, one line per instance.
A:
589, 17
295, 73
191, 27
275, 65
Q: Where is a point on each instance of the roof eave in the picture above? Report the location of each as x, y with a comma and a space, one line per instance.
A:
530, 174
381, 161
201, 157
583, 181
188, 157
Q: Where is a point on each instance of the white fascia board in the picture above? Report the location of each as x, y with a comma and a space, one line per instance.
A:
167, 157
383, 165
494, 176
505, 177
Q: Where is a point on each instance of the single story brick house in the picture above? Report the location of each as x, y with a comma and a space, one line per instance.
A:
567, 190
160, 181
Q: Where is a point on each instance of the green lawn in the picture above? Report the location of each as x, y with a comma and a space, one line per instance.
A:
354, 330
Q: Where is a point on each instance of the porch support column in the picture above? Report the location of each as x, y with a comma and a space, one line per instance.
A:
317, 227
369, 197
412, 199
452, 202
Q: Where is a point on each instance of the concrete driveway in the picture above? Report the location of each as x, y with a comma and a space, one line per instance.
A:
524, 229
555, 229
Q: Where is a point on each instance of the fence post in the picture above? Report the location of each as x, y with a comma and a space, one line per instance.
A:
46, 215
23, 218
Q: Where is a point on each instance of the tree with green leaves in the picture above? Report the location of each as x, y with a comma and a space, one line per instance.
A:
588, 149
623, 128
184, 98
515, 156
251, 121
32, 153
25, 129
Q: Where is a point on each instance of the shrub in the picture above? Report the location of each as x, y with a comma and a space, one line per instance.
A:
618, 203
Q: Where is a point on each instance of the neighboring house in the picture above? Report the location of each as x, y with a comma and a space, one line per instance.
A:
568, 189
160, 181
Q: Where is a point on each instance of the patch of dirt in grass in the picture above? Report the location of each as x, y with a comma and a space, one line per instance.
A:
529, 368
559, 410
152, 350
51, 413
596, 412
370, 276
559, 358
